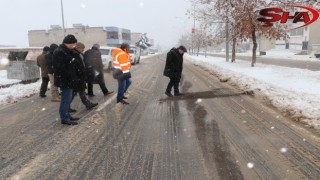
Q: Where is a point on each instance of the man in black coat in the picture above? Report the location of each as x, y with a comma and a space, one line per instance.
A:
173, 69
54, 90
93, 62
64, 76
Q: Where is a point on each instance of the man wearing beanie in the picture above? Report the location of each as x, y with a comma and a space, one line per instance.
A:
64, 75
70, 39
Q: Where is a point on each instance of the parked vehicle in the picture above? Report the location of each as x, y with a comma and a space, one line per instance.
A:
106, 55
134, 56
152, 50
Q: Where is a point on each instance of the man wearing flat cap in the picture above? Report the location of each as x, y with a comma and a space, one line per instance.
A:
173, 69
64, 75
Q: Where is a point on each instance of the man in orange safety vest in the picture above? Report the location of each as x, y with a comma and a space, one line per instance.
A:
122, 65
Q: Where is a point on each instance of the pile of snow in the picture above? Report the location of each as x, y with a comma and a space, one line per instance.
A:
16, 92
4, 80
293, 91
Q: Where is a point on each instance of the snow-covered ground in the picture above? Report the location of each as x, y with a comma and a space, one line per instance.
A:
284, 54
294, 91
4, 80
18, 91
281, 54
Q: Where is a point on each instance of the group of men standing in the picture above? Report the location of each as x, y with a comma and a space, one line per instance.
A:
69, 68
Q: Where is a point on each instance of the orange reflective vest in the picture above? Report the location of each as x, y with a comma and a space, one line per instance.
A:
121, 60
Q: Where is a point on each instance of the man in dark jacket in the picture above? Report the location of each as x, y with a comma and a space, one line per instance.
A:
173, 69
54, 90
80, 80
41, 62
64, 75
93, 62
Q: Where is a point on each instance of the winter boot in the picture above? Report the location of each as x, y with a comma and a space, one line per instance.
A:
168, 94
91, 105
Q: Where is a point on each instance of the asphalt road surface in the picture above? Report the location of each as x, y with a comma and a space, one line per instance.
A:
213, 132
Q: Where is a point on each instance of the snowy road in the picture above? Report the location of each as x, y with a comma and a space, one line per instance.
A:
214, 132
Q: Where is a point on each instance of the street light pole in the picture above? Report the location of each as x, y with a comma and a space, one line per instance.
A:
193, 34
63, 29
193, 30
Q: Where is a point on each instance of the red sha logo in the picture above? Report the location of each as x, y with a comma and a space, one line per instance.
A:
272, 15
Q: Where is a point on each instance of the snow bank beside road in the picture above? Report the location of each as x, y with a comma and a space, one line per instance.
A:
293, 91
15, 92
280, 54
3, 79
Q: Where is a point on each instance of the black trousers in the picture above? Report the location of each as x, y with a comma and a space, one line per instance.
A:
85, 101
100, 81
174, 82
44, 85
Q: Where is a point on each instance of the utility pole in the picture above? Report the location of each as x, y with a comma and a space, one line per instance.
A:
193, 34
193, 30
63, 29
227, 40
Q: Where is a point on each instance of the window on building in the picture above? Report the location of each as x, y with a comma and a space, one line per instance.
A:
297, 32
112, 35
300, 32
126, 36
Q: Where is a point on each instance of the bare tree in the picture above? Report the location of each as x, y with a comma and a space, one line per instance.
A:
245, 24
242, 17
200, 40
214, 23
209, 30
185, 40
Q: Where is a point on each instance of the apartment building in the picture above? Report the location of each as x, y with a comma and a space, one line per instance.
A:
105, 36
306, 38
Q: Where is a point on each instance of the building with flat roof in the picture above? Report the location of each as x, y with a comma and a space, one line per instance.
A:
105, 36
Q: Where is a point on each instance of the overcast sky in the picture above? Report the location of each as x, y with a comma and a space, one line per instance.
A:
162, 20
